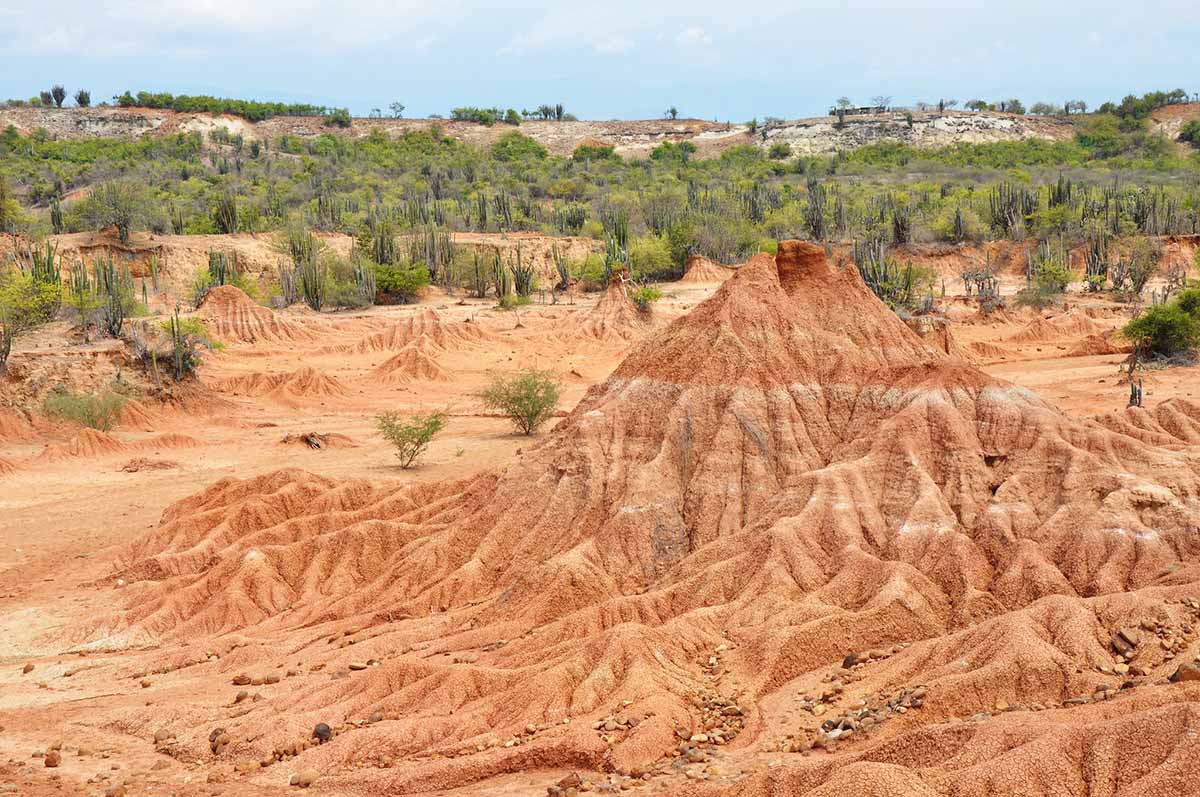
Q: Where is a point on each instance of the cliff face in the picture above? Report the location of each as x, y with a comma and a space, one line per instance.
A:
630, 138
823, 136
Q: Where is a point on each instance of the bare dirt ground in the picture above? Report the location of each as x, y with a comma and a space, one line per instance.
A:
778, 544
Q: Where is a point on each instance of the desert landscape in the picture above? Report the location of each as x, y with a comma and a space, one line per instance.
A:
512, 453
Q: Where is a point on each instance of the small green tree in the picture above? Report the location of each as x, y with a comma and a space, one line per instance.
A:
397, 109
528, 399
411, 435
25, 303
83, 98
58, 94
120, 203
1164, 329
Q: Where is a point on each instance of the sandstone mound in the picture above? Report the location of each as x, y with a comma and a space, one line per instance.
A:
1073, 324
983, 350
93, 443
233, 317
615, 316
936, 332
784, 489
701, 269
426, 327
87, 443
411, 364
291, 389
1101, 343
14, 427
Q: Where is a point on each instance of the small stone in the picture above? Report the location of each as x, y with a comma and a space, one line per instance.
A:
115, 791
161, 735
358, 665
852, 659
53, 758
304, 778
322, 733
28, 668
240, 696
1185, 672
376, 717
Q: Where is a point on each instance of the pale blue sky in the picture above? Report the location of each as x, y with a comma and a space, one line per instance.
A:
621, 59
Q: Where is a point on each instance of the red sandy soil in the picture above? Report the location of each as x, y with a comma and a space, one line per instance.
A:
784, 543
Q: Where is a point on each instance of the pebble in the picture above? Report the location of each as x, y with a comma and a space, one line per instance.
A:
53, 758
322, 732
304, 778
1186, 672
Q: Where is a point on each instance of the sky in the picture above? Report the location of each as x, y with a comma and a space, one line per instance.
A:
621, 59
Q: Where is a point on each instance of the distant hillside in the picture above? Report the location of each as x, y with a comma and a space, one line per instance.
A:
818, 136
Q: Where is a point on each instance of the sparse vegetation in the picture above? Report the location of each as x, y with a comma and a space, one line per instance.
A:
99, 411
528, 398
1167, 330
410, 435
645, 296
25, 303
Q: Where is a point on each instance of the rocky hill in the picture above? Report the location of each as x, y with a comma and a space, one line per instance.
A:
630, 138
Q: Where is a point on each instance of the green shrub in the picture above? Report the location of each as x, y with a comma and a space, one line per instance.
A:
402, 283
645, 296
412, 435
1164, 329
590, 272
528, 398
780, 150
338, 117
514, 147
93, 410
594, 152
650, 256
25, 303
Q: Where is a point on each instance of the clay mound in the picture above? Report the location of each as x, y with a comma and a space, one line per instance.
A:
1101, 343
701, 269
411, 364
614, 317
233, 317
426, 327
90, 443
1172, 422
783, 476
292, 389
982, 350
136, 415
86, 443
936, 332
14, 427
1073, 324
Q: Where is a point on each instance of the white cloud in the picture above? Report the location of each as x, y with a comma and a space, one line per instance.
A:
694, 37
207, 27
613, 45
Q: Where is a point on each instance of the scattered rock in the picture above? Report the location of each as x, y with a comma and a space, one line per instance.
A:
53, 758
322, 733
304, 778
1186, 672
